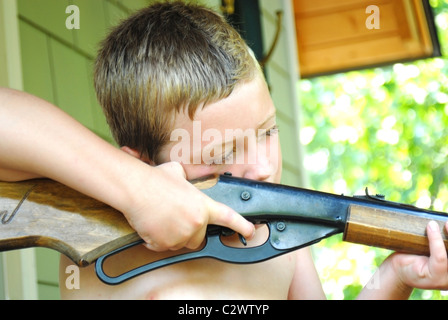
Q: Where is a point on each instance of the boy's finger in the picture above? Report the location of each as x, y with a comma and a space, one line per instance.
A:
437, 248
152, 246
196, 241
222, 215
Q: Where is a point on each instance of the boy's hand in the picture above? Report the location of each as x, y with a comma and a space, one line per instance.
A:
170, 213
425, 272
400, 273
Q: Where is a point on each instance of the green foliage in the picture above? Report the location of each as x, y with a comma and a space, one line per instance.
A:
385, 129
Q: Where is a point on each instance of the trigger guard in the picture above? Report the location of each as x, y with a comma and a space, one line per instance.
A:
284, 237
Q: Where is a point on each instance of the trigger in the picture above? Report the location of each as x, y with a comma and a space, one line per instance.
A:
242, 239
226, 232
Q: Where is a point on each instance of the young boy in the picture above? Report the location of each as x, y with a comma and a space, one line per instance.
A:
174, 66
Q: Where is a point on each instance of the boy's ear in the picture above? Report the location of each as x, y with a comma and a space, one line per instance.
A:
137, 155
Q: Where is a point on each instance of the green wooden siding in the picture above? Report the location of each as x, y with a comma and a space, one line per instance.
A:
279, 76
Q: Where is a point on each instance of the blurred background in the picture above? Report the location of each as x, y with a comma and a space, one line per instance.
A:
383, 128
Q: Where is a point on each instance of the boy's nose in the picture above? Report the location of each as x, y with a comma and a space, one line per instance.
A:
262, 170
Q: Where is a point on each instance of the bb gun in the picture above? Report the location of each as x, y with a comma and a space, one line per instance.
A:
48, 214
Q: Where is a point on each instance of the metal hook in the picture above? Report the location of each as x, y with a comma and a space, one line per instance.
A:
4, 214
268, 56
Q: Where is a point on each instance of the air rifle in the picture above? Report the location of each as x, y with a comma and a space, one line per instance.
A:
48, 214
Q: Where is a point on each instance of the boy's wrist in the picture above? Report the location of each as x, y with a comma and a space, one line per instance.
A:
126, 184
386, 284
393, 277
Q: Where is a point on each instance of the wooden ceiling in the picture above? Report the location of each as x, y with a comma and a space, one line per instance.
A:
335, 36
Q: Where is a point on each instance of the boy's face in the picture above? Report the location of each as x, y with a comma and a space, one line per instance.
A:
237, 134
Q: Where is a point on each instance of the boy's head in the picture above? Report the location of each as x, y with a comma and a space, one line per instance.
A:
167, 59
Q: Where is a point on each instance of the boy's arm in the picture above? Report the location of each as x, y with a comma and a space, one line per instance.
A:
38, 139
306, 284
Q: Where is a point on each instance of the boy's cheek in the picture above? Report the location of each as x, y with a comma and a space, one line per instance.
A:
278, 171
278, 175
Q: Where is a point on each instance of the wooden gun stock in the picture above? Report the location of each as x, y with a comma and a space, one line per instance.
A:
45, 213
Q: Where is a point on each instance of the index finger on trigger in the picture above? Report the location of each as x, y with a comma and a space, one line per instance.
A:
223, 215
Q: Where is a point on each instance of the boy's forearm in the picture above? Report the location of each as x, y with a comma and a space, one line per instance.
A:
40, 140
385, 285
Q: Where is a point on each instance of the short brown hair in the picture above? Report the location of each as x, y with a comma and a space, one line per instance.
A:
166, 58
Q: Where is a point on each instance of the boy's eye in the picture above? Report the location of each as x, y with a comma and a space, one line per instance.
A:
273, 131
225, 158
269, 132
229, 155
